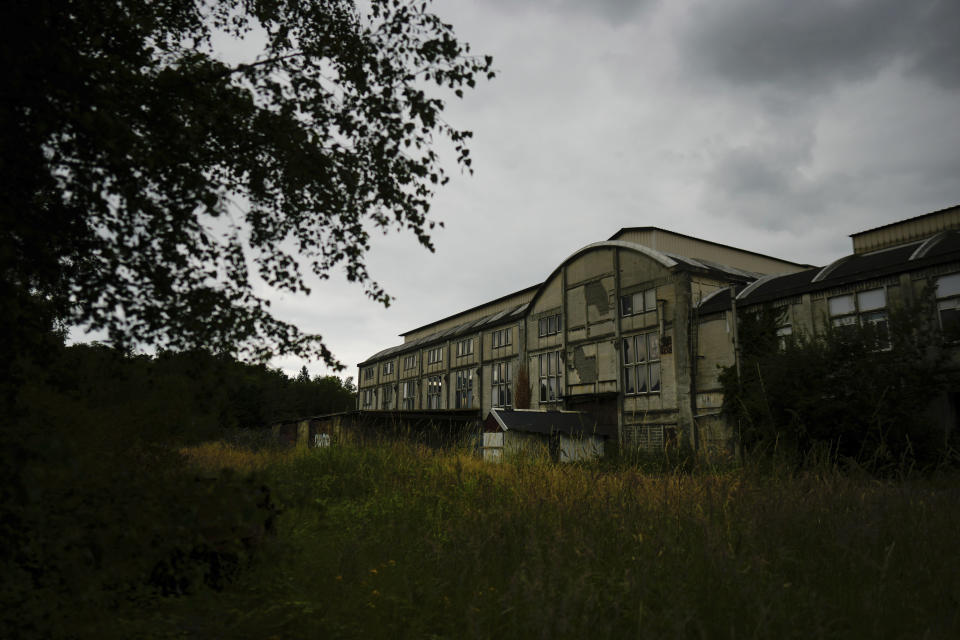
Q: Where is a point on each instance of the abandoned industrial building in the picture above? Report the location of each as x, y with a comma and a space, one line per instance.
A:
631, 332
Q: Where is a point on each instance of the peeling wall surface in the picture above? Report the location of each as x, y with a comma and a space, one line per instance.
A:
644, 330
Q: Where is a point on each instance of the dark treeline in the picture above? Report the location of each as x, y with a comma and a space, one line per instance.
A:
178, 397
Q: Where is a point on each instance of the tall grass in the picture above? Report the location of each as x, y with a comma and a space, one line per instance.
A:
401, 541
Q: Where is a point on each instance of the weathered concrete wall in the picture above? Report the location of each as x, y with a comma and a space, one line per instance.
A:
906, 230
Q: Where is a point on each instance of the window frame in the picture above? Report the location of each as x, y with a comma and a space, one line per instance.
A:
387, 397
549, 325
859, 314
408, 397
500, 338
435, 392
368, 398
410, 362
501, 384
388, 368
435, 355
949, 301
465, 347
463, 388
642, 295
651, 361
551, 380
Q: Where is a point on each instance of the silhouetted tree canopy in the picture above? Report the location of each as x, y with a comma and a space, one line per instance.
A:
146, 180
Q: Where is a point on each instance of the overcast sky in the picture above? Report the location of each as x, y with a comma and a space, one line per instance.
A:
777, 126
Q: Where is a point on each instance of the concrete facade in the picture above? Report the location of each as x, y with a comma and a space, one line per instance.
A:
633, 331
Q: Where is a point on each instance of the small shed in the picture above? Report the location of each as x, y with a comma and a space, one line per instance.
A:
566, 436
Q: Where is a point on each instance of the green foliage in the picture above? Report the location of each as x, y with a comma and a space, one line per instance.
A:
143, 177
98, 510
395, 541
861, 393
92, 528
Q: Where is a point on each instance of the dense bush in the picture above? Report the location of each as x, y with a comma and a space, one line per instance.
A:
99, 510
858, 392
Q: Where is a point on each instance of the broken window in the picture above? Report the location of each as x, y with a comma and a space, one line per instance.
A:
863, 308
550, 372
387, 397
641, 364
464, 389
784, 325
434, 392
367, 399
409, 393
550, 325
501, 384
948, 304
639, 302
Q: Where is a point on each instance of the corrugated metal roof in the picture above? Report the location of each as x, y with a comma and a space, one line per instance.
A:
460, 329
847, 270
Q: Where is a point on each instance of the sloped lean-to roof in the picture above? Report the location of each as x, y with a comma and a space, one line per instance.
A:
547, 422
458, 330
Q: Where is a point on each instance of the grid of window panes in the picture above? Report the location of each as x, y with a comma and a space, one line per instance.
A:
465, 347
644, 436
367, 398
638, 302
550, 370
948, 304
550, 325
864, 308
409, 362
501, 379
501, 338
434, 392
387, 368
409, 394
435, 355
368, 373
387, 397
641, 364
464, 389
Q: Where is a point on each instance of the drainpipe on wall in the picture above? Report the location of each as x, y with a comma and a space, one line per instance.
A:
735, 329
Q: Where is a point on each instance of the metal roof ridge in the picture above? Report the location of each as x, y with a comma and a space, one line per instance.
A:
825, 271
927, 245
750, 288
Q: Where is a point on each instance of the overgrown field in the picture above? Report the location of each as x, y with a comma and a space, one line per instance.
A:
398, 541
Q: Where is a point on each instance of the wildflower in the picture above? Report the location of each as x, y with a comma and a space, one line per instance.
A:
375, 593
373, 571
339, 578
